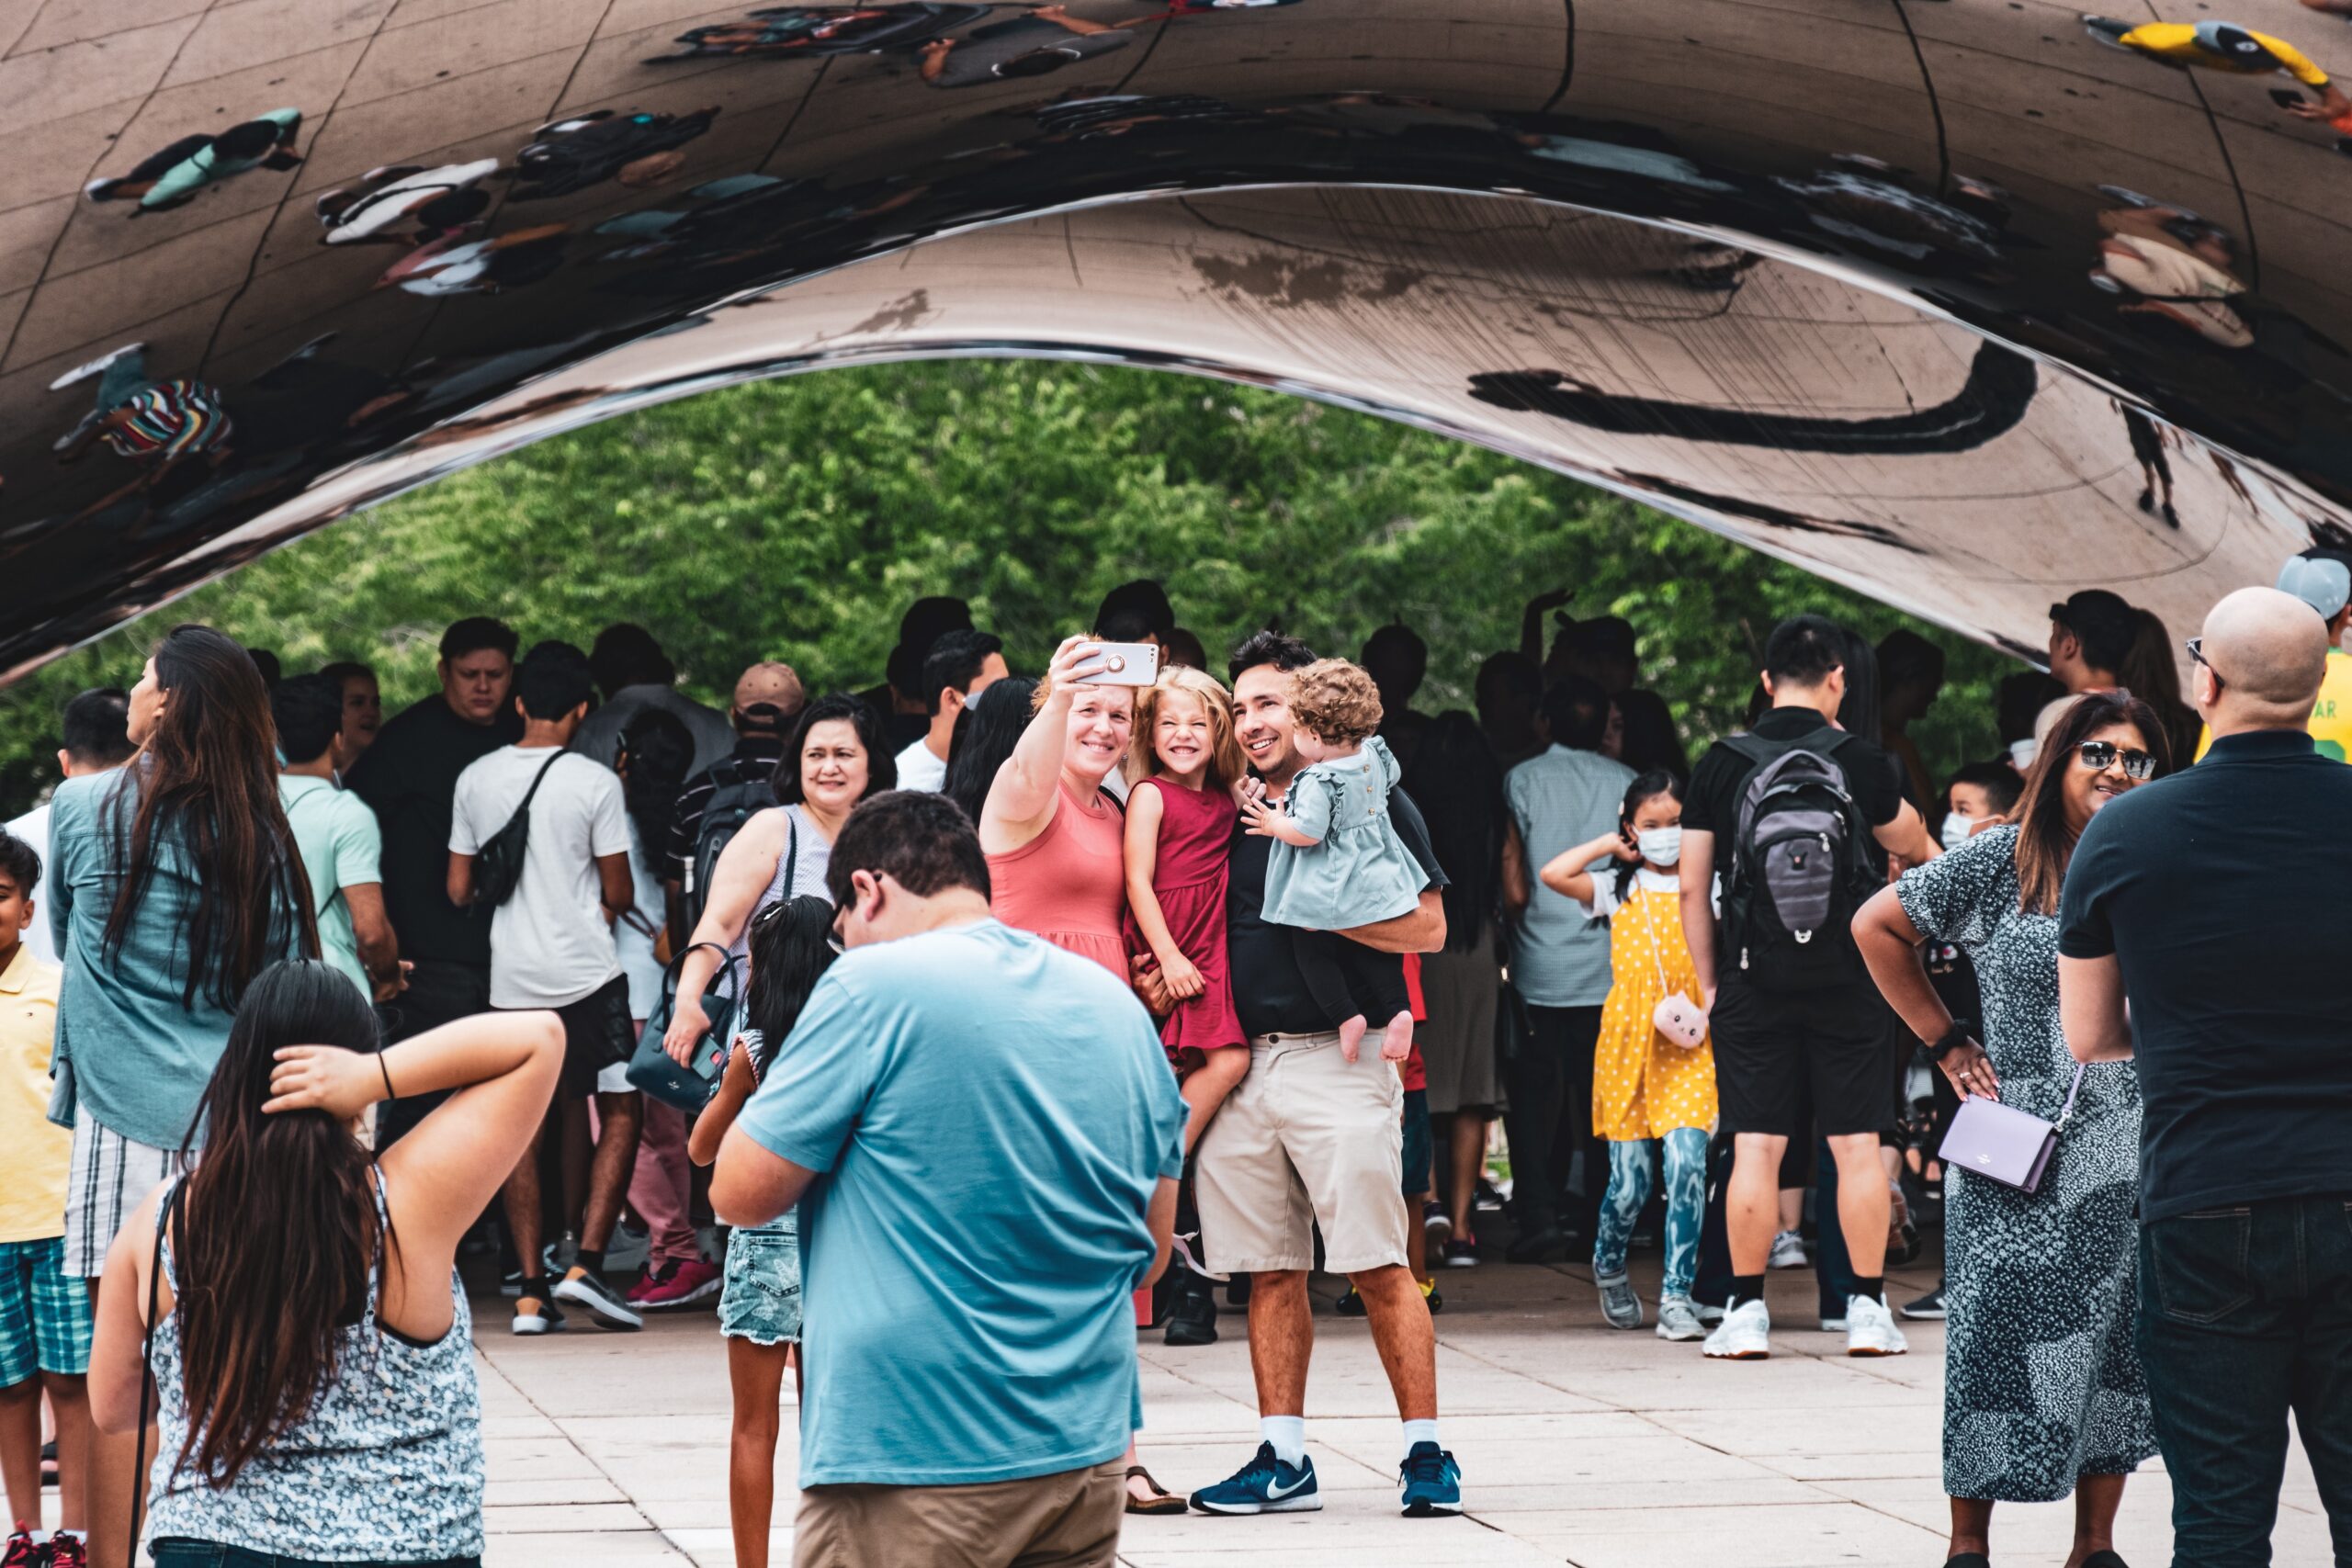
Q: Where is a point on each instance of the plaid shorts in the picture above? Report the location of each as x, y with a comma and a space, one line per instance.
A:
44, 1316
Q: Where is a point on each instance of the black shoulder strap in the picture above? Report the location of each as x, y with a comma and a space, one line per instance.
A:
537, 779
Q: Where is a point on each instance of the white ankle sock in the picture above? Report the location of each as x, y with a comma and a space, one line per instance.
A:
1288, 1433
1420, 1432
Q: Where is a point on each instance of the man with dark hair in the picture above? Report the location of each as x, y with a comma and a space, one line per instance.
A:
409, 778
900, 699
1310, 1138
1136, 612
1508, 689
634, 675
951, 1402
94, 736
552, 947
1786, 1005
1601, 650
2090, 635
1566, 795
1397, 660
340, 844
960, 666
1910, 677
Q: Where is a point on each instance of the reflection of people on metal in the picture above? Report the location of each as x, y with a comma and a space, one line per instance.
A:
177, 431
459, 263
1038, 44
634, 149
731, 216
173, 176
1201, 7
802, 32
440, 200
2000, 384
1087, 115
2225, 46
1862, 199
2176, 262
1670, 168
2155, 468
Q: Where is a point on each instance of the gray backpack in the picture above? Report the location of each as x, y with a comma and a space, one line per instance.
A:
1799, 866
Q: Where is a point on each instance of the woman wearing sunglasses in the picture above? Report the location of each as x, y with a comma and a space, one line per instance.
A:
2044, 1394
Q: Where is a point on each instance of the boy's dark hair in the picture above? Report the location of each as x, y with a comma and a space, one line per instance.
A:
626, 654
477, 632
19, 863
956, 660
272, 672
343, 669
552, 679
309, 711
96, 727
1130, 624
1141, 604
1285, 653
1577, 710
920, 840
2002, 785
1803, 650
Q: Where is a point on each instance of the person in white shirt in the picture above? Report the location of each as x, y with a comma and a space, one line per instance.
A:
551, 946
95, 731
960, 666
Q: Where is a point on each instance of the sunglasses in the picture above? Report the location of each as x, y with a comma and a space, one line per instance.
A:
2196, 647
2100, 755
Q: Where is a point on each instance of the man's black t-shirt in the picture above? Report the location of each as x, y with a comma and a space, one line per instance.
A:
2220, 892
409, 777
1269, 993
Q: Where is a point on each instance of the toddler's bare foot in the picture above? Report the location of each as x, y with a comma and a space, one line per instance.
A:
1352, 1036
1397, 1043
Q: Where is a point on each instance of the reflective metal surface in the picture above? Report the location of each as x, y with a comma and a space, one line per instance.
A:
1930, 295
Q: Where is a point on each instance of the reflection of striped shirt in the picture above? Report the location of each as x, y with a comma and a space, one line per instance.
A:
168, 419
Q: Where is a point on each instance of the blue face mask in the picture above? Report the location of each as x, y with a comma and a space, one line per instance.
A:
1659, 846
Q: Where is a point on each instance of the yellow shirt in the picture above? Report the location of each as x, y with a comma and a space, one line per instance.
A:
2331, 724
34, 1152
2178, 42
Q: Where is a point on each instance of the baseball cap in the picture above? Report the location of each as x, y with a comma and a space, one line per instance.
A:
2322, 582
771, 686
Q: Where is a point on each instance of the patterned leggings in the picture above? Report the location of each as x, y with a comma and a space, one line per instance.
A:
1629, 1188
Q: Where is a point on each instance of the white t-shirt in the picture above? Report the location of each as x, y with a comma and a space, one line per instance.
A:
635, 948
549, 946
918, 769
33, 828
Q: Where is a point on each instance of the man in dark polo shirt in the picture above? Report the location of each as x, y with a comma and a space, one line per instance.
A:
2212, 901
410, 779
1308, 1138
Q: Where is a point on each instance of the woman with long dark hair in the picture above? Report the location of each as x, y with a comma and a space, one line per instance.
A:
296, 1300
985, 733
1457, 781
2040, 1287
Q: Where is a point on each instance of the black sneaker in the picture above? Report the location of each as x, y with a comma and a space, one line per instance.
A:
604, 1304
1192, 1316
1927, 1307
1350, 1305
1461, 1254
1545, 1243
1437, 1225
1236, 1293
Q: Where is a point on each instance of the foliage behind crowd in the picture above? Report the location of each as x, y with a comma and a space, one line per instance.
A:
795, 519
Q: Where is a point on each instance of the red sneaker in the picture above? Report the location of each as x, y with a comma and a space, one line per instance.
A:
22, 1553
684, 1284
68, 1551
649, 1279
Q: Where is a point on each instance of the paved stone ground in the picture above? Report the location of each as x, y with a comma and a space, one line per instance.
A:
1579, 1445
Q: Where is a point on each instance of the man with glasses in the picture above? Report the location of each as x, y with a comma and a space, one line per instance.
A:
2211, 901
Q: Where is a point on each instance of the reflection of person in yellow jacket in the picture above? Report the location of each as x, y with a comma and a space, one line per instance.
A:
2225, 46
2321, 578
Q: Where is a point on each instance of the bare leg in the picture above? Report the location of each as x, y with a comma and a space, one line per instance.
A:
1971, 1526
755, 1378
1792, 1208
1282, 1339
1864, 1206
1468, 1142
1401, 1332
69, 1402
573, 1152
522, 1194
20, 1448
1753, 1205
1417, 1239
2096, 1498
1205, 1087
113, 1481
620, 1117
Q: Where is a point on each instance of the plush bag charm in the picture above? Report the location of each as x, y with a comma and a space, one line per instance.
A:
1681, 1021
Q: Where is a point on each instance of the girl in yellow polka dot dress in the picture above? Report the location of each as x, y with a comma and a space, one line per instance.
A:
1648, 1089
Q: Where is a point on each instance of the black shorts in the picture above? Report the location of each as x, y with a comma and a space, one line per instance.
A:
1768, 1045
596, 1035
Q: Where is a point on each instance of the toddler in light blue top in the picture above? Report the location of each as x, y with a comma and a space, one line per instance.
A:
1336, 862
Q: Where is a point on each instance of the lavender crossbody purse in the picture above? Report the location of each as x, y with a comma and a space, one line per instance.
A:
2003, 1144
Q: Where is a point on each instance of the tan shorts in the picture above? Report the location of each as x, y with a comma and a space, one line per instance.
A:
1066, 1520
1305, 1139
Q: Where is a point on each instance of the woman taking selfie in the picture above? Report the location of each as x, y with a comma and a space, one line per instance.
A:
297, 1300
2040, 1290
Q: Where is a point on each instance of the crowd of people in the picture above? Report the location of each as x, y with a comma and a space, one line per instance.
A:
1162, 979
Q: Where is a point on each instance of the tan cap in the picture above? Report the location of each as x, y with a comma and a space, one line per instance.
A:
769, 681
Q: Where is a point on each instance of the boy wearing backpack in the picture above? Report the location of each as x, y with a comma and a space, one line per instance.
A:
1798, 815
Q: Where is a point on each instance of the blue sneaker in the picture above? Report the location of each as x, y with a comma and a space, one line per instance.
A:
1432, 1481
1265, 1485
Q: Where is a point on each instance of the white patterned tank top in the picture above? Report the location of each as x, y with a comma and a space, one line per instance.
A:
387, 1466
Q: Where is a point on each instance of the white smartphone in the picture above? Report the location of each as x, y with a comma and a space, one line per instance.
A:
1125, 665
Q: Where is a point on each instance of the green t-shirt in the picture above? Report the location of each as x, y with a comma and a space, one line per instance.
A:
341, 848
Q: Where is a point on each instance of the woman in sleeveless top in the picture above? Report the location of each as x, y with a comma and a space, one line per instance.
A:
836, 758
297, 1300
1056, 845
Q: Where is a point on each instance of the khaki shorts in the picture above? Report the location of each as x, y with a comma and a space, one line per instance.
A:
1304, 1139
1067, 1520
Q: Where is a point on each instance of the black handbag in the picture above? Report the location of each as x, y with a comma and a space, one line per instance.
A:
687, 1084
498, 868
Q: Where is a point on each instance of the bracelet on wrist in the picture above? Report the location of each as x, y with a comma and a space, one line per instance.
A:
1961, 1032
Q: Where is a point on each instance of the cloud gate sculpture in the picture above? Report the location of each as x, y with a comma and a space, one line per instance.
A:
1964, 303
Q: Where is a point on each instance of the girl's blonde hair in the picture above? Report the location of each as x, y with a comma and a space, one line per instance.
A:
1336, 702
1226, 766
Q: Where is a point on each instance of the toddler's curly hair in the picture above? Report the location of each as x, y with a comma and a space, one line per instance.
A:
1336, 702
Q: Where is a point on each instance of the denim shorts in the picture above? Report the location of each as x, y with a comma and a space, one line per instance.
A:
761, 1298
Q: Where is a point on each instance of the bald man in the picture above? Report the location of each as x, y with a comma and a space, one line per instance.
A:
2212, 901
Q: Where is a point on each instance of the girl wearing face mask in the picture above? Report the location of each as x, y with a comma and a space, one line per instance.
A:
1646, 1089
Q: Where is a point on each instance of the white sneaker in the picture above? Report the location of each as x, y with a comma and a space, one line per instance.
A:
1871, 1329
94, 368
1787, 1252
1745, 1334
1677, 1319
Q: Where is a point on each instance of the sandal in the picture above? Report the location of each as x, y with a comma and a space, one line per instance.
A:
1161, 1500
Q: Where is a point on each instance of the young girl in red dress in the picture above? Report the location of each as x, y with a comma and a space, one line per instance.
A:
1180, 814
